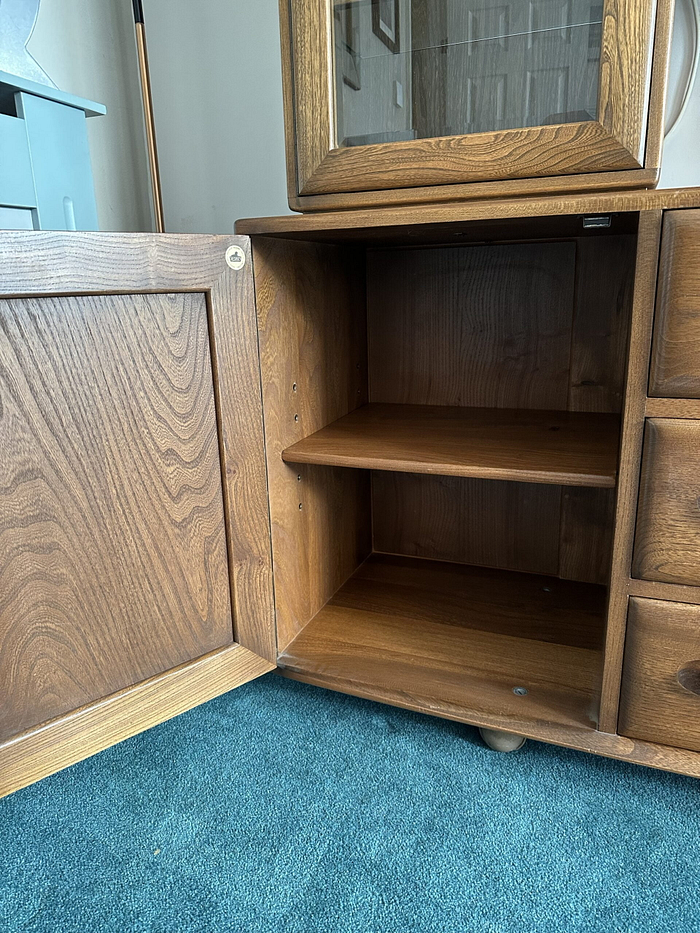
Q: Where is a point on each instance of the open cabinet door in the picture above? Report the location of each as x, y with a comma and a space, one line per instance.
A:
135, 566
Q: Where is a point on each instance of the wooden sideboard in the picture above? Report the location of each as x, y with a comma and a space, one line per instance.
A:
444, 457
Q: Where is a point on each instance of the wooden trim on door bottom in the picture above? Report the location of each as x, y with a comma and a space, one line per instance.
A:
585, 740
35, 754
527, 152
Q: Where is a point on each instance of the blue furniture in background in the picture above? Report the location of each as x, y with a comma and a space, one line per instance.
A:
45, 172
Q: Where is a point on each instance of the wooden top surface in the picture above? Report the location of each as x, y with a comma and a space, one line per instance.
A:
558, 447
461, 211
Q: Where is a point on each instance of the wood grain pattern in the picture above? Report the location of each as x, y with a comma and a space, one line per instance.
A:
477, 341
236, 359
673, 408
418, 219
675, 366
113, 550
674, 592
311, 52
111, 365
667, 542
601, 327
47, 263
476, 190
469, 521
313, 342
56, 745
567, 148
561, 448
656, 124
599, 344
616, 142
585, 739
625, 71
521, 187
663, 639
285, 17
461, 636
480, 326
586, 534
630, 458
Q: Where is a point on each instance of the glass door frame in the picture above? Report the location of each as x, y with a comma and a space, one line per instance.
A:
615, 142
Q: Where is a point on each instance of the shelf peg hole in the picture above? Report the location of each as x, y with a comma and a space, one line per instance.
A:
296, 417
689, 677
294, 387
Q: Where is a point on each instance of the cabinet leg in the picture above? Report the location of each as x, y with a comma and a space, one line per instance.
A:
502, 741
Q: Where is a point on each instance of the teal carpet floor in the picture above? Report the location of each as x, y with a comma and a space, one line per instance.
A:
282, 807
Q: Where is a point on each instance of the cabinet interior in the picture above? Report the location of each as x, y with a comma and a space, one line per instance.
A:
442, 408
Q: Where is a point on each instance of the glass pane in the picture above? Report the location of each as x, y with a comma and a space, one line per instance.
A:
411, 69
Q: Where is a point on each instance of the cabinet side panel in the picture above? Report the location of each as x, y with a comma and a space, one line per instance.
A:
630, 457
600, 340
313, 350
113, 559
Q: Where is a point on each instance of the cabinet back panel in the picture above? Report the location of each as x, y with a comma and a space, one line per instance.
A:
313, 354
488, 523
113, 558
486, 326
522, 325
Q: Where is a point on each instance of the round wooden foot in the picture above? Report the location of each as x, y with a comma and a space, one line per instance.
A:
502, 741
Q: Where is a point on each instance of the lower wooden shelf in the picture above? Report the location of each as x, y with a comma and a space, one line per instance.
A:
462, 642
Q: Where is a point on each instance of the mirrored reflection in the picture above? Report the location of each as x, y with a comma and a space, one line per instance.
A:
412, 69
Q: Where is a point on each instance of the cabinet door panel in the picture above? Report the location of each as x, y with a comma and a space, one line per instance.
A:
113, 548
134, 536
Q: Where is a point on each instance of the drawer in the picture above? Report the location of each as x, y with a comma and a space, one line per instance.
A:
660, 699
675, 359
667, 542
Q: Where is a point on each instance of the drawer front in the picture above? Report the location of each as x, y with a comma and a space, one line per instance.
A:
667, 542
661, 681
675, 362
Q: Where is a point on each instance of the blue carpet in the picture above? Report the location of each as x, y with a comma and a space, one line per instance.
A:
282, 807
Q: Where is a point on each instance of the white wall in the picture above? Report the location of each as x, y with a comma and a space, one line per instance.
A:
87, 48
217, 91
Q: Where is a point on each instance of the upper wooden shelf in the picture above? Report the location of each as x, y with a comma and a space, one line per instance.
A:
557, 447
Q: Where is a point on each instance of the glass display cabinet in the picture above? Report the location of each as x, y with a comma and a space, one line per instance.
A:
393, 101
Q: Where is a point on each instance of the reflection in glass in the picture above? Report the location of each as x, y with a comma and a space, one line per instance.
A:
412, 69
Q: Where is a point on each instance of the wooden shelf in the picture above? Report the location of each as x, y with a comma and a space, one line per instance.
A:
558, 447
455, 641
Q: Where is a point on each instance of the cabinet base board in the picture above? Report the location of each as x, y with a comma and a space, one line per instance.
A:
604, 744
